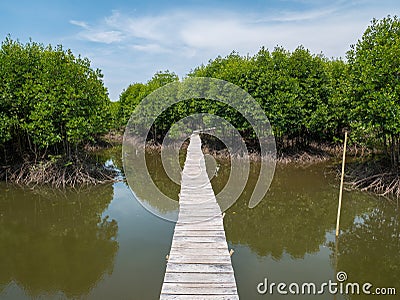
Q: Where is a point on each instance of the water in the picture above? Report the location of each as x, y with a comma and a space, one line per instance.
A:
100, 243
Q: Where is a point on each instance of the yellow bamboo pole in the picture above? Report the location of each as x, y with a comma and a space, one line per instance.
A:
341, 184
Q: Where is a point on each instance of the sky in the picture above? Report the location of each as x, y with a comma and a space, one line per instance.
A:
130, 40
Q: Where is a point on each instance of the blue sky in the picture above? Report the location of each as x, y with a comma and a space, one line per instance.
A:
131, 40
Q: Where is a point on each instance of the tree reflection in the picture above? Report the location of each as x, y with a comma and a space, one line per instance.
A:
150, 183
369, 250
298, 211
54, 242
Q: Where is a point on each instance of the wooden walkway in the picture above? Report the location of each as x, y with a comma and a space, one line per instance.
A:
199, 264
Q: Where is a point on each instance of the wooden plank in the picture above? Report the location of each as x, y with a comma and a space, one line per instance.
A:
200, 239
196, 227
173, 285
197, 232
204, 268
199, 226
198, 251
199, 215
199, 245
214, 223
212, 219
196, 201
199, 297
198, 259
199, 222
194, 195
198, 289
199, 277
193, 198
204, 208
201, 207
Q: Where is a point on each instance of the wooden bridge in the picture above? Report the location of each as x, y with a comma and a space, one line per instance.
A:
199, 264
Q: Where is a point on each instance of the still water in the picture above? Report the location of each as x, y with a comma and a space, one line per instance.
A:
100, 243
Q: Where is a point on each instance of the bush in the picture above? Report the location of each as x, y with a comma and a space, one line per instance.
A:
51, 102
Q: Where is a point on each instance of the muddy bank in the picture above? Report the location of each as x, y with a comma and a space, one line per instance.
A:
374, 175
58, 172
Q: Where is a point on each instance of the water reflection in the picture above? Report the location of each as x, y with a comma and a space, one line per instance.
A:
54, 242
291, 232
294, 217
288, 237
369, 249
150, 183
62, 245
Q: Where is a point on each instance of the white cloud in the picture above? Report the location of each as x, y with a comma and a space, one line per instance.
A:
182, 39
100, 34
221, 36
106, 37
150, 48
291, 16
79, 23
142, 27
187, 33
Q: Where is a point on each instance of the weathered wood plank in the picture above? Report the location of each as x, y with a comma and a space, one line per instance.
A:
200, 239
199, 289
211, 219
216, 224
199, 245
199, 216
214, 211
199, 259
203, 210
197, 232
198, 251
198, 203
204, 268
199, 277
183, 285
199, 297
195, 227
201, 207
200, 222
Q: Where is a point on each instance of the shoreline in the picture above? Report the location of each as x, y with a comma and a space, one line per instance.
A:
366, 169
375, 176
364, 172
58, 172
313, 154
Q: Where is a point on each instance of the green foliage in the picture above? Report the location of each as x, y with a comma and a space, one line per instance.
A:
53, 102
128, 100
303, 95
50, 100
296, 89
307, 98
374, 64
136, 92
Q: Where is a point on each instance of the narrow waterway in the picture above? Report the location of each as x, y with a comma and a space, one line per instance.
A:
100, 243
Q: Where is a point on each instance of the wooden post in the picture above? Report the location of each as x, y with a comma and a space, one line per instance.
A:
341, 184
